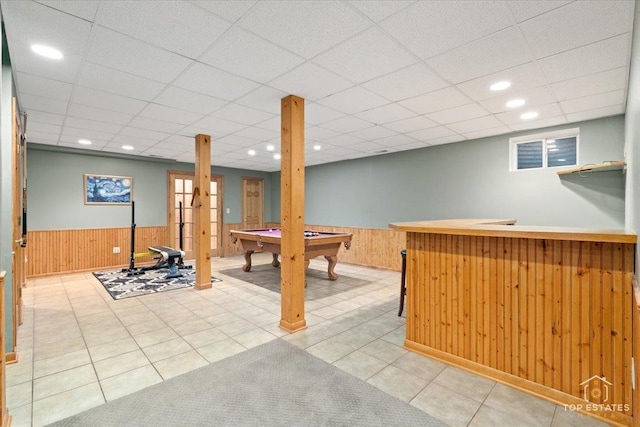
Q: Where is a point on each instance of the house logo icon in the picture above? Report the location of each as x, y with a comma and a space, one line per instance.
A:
595, 389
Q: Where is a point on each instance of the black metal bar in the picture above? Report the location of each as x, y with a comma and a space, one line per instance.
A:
180, 228
132, 260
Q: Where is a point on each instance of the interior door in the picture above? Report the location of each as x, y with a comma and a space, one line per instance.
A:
252, 203
180, 191
19, 235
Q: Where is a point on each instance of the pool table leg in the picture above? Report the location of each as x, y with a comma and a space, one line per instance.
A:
275, 261
247, 259
333, 260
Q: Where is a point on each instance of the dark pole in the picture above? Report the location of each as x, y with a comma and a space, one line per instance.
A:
133, 236
181, 227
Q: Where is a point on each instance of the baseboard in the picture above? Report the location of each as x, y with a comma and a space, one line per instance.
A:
11, 358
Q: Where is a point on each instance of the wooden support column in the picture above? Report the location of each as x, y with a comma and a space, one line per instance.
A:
201, 203
292, 215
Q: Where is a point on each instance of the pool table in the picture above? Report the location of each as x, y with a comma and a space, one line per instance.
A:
316, 244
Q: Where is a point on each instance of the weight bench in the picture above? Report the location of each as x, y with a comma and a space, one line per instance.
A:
171, 257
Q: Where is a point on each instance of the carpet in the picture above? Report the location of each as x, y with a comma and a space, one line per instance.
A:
275, 384
121, 286
318, 284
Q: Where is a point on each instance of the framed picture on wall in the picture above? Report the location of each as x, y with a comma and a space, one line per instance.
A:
107, 189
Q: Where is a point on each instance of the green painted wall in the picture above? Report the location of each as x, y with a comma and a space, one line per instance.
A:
468, 180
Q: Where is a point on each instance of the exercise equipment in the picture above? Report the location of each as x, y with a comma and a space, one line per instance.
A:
166, 256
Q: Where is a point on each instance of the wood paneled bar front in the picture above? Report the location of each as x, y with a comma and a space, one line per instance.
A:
546, 310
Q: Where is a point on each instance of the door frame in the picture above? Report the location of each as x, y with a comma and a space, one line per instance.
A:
243, 223
219, 179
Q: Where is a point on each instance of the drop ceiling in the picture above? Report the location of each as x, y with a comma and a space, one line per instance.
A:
377, 76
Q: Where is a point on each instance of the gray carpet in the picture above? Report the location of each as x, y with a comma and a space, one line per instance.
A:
318, 284
275, 384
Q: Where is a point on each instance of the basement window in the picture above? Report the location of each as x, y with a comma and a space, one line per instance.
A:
541, 151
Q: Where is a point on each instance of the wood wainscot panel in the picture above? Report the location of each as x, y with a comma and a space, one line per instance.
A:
551, 317
64, 251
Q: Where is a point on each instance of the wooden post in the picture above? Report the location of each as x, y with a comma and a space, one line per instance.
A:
201, 203
292, 215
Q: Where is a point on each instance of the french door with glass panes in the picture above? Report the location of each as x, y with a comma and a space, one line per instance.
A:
180, 192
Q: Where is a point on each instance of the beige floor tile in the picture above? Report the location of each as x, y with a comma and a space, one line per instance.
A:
60, 363
19, 395
180, 364
236, 328
446, 405
220, 350
58, 348
130, 382
330, 350
420, 366
155, 337
398, 383
254, 338
566, 418
18, 373
360, 365
63, 381
65, 404
167, 349
20, 416
487, 416
205, 337
105, 335
191, 327
108, 350
145, 327
384, 350
465, 383
507, 399
122, 363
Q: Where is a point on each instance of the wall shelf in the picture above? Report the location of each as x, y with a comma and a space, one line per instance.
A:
598, 167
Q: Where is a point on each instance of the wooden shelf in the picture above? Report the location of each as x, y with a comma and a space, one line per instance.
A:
599, 167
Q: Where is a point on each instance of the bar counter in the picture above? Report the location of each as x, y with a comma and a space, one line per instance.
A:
547, 310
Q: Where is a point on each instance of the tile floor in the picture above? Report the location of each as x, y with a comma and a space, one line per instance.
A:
78, 348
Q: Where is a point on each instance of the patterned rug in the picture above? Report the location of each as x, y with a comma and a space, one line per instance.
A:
121, 286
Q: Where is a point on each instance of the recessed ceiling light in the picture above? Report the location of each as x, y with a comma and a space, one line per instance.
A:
317, 147
46, 51
528, 116
252, 152
84, 142
127, 147
500, 85
276, 156
515, 103
270, 147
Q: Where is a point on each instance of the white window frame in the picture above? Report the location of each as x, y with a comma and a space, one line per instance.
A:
564, 133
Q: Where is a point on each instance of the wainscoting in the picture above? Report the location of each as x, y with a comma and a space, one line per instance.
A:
63, 251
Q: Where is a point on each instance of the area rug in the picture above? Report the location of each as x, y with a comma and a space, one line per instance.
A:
275, 384
121, 286
318, 284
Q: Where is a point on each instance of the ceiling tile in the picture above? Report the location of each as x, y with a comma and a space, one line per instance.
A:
264, 98
411, 125
311, 82
146, 136
43, 137
438, 100
591, 84
480, 123
273, 124
39, 103
544, 111
229, 10
538, 124
487, 132
257, 133
44, 128
237, 141
140, 59
69, 141
523, 10
593, 102
42, 117
347, 124
98, 114
183, 99
374, 132
168, 114
211, 81
446, 140
353, 100
305, 28
85, 9
589, 59
90, 134
521, 77
458, 114
163, 26
575, 25
34, 85
214, 126
426, 135
369, 147
113, 81
153, 124
318, 134
367, 55
245, 54
532, 97
242, 114
395, 140
315, 114
385, 114
96, 98
409, 82
431, 27
78, 123
499, 51
594, 114
23, 59
378, 10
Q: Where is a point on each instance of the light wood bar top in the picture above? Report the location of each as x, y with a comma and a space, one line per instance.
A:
505, 228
